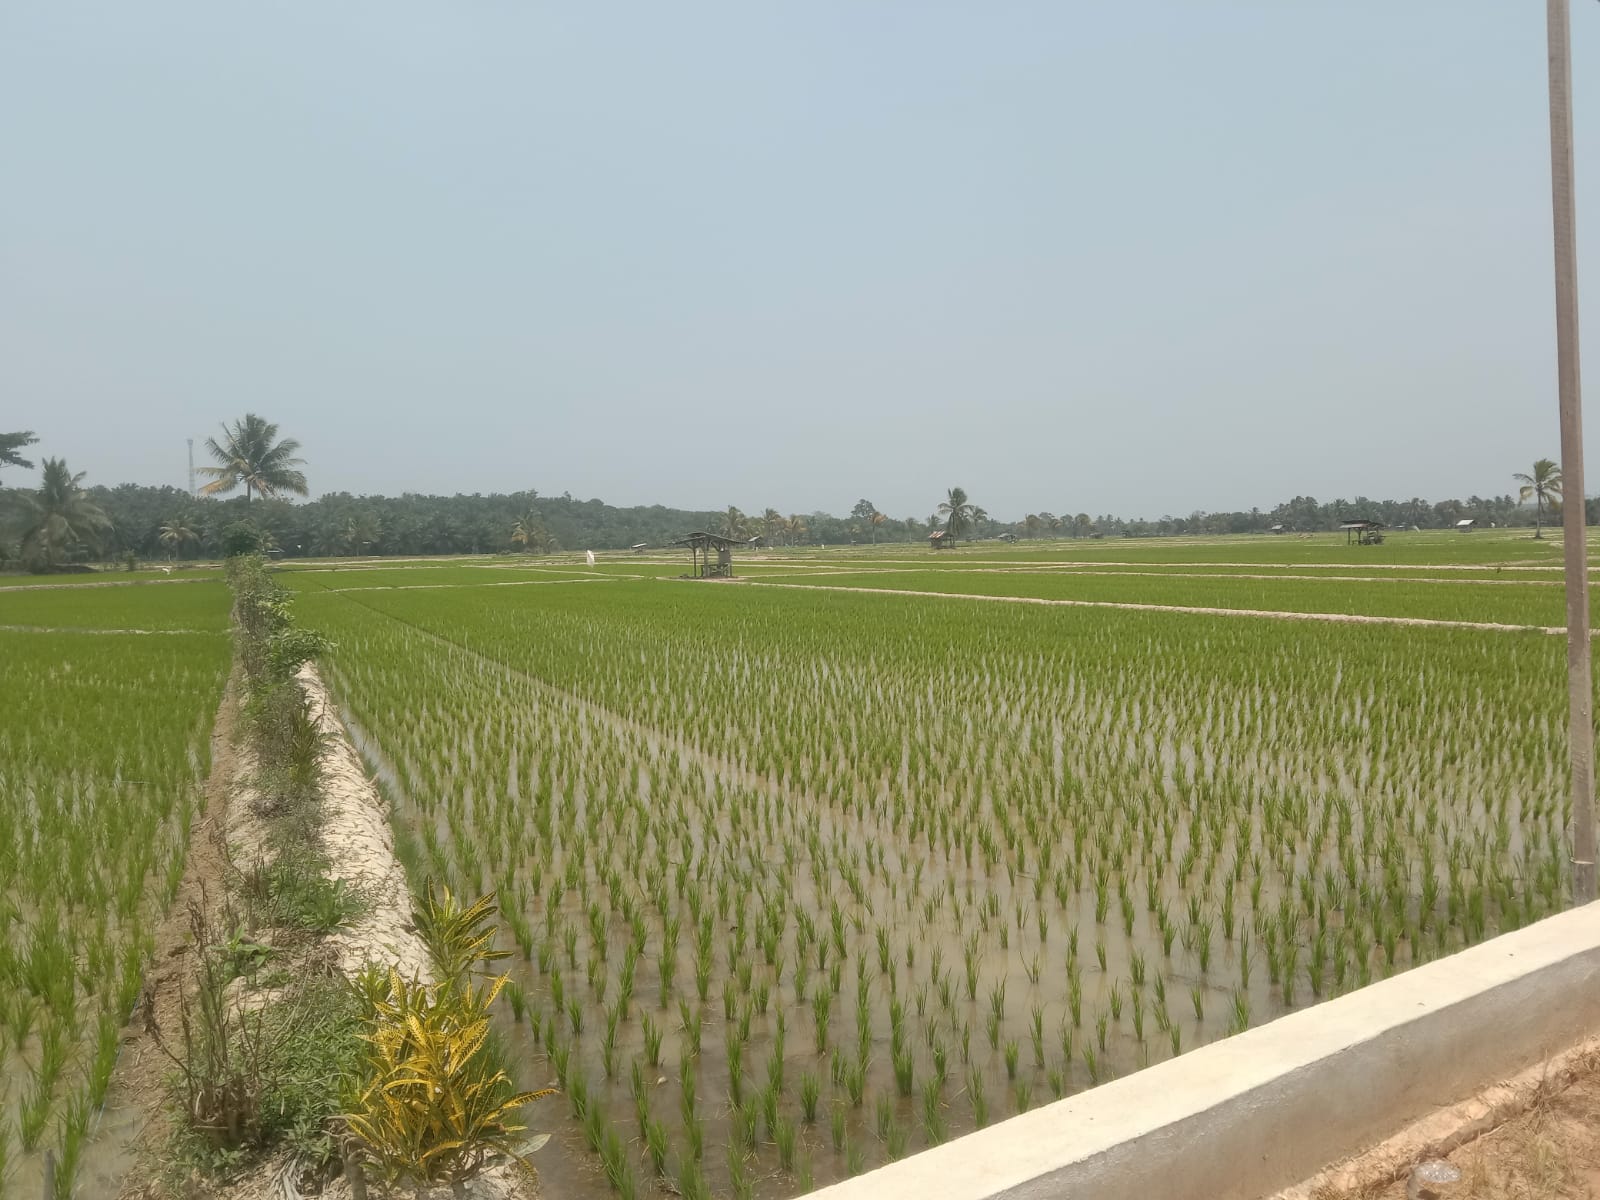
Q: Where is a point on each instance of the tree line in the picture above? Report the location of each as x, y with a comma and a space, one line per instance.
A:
245, 506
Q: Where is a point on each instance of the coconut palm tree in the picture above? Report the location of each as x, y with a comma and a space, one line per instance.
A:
11, 445
958, 513
362, 532
1542, 487
176, 534
877, 519
529, 532
733, 523
250, 454
58, 515
772, 522
798, 529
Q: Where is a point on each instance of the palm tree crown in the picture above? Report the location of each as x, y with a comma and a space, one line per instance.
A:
958, 513
529, 532
1542, 487
11, 445
249, 453
177, 533
58, 515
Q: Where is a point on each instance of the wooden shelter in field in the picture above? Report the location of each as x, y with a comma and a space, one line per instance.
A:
710, 554
1363, 532
939, 541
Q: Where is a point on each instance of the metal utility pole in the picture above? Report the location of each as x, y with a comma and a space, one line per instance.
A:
1580, 724
191, 468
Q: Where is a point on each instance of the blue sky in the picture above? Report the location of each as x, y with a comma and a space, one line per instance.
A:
1128, 258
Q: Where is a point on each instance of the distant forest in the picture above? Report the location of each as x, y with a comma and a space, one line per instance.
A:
163, 522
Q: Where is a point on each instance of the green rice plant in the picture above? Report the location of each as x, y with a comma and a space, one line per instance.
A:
854, 1158
1022, 1095
1241, 1011
810, 1094
785, 1135
853, 1077
895, 1141
904, 1069
652, 1034
978, 1098
34, 1114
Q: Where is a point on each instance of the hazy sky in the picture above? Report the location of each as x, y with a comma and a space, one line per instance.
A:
1109, 257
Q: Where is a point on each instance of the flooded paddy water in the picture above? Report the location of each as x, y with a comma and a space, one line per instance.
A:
798, 883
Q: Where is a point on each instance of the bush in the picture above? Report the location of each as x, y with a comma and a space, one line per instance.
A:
435, 1103
244, 538
247, 1079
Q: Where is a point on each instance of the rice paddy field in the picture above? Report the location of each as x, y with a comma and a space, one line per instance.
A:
866, 849
811, 870
104, 747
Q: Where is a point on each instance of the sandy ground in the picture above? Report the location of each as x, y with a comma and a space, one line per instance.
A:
1534, 1137
1130, 606
360, 848
87, 629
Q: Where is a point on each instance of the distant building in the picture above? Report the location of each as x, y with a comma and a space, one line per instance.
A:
1467, 525
938, 541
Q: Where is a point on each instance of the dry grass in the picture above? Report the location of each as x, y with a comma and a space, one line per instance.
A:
1550, 1152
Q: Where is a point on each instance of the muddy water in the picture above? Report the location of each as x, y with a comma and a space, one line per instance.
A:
570, 1169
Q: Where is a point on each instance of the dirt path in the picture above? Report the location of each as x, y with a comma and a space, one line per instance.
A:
1130, 606
101, 583
137, 1090
1402, 579
1055, 564
360, 849
499, 583
93, 630
1535, 1137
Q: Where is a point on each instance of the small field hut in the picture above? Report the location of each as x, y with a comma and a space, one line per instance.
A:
710, 555
1363, 533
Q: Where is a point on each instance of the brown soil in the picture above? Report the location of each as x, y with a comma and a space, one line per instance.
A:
1546, 1147
137, 1085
